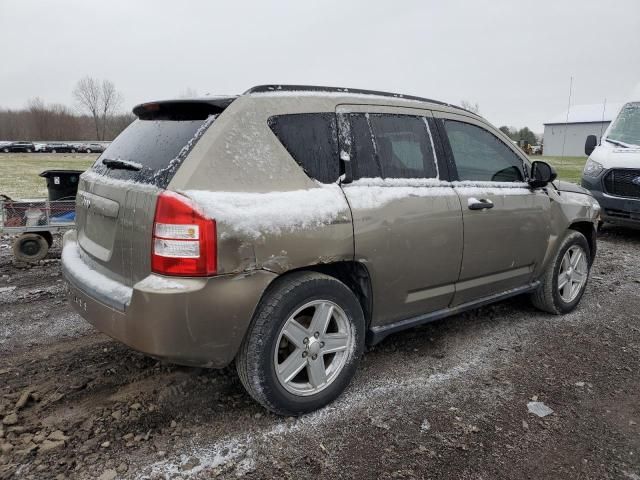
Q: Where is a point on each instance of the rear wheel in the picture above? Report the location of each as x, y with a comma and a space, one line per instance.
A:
304, 344
5, 150
28, 150
53, 150
30, 248
73, 150
565, 279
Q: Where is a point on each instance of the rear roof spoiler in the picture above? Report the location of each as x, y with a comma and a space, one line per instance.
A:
182, 109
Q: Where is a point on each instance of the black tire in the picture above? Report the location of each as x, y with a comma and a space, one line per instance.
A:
5, 150
73, 150
89, 150
547, 297
254, 361
53, 150
30, 248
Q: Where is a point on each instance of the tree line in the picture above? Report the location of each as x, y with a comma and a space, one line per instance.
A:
523, 134
96, 115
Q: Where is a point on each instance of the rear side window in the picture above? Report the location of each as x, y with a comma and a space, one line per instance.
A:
312, 140
481, 156
391, 146
153, 145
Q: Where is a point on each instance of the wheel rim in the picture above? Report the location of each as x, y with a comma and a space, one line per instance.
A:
573, 273
312, 348
30, 247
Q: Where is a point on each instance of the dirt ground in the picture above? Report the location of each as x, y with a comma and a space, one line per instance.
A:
444, 401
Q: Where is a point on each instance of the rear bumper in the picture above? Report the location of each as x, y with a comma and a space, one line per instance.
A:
621, 210
191, 321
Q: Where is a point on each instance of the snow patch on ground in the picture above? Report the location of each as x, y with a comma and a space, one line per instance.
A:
257, 214
415, 385
197, 460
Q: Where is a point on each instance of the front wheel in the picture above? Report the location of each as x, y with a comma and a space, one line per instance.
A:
304, 344
565, 280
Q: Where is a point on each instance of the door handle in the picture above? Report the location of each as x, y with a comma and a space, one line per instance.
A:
482, 204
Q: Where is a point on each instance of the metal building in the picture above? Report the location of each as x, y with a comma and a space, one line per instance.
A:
583, 120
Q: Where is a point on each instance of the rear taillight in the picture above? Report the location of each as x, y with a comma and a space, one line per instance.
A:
184, 239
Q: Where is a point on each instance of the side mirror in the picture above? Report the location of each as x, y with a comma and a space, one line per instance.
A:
590, 145
541, 174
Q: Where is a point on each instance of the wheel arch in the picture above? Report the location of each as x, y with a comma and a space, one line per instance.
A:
589, 231
354, 275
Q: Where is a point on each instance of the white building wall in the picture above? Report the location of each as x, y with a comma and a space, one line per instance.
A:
576, 136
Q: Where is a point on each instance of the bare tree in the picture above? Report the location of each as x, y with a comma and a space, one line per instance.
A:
87, 95
101, 100
472, 107
111, 101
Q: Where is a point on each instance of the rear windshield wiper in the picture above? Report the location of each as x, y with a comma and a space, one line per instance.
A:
616, 142
120, 164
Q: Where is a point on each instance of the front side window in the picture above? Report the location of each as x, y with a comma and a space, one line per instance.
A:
481, 156
391, 146
312, 140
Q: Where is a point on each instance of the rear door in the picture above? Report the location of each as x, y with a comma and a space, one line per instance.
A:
407, 226
116, 203
506, 223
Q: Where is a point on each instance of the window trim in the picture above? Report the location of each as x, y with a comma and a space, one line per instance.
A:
441, 117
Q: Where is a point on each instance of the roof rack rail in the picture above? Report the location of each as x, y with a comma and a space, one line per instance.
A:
315, 88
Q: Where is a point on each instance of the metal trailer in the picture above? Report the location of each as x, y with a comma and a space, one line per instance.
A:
35, 221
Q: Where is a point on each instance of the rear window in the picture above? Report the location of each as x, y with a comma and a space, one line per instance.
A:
312, 140
157, 146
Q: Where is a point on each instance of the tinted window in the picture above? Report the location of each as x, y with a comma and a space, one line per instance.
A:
152, 144
479, 155
364, 161
312, 141
403, 146
391, 146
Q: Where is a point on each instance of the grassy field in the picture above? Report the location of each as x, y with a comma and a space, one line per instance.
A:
19, 171
568, 168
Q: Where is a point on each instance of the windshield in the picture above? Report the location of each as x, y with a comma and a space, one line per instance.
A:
626, 126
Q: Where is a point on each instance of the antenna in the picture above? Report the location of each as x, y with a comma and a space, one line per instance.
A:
604, 107
566, 122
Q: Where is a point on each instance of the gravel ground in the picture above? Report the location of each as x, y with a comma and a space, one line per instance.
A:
447, 400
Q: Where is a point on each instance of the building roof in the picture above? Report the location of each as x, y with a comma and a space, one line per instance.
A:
590, 113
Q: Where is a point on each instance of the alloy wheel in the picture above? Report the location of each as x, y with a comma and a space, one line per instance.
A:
312, 348
573, 273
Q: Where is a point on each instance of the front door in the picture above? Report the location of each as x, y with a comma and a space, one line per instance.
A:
407, 225
506, 223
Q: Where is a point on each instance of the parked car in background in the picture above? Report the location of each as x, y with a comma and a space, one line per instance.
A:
612, 172
90, 147
12, 147
59, 147
285, 228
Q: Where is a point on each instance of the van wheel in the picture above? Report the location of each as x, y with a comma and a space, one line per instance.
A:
30, 248
303, 345
565, 279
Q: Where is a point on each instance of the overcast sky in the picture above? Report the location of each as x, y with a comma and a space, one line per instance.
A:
513, 57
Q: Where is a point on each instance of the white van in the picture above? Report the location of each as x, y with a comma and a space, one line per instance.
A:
612, 172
